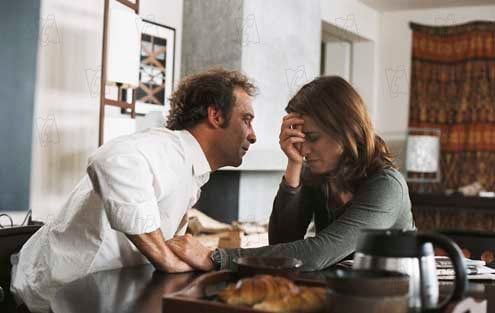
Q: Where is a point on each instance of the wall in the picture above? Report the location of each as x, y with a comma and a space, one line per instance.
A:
212, 35
67, 93
337, 60
395, 62
281, 52
19, 37
352, 16
356, 22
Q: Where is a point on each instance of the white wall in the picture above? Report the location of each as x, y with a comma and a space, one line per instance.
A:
281, 52
337, 59
359, 23
353, 16
395, 60
67, 93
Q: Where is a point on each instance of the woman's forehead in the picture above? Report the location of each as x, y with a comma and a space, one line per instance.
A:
310, 124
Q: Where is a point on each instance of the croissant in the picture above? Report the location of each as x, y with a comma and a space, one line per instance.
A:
306, 300
250, 291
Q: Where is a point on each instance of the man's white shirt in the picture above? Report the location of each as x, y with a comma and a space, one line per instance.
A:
134, 184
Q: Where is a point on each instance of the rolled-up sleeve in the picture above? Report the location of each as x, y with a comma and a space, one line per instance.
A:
125, 184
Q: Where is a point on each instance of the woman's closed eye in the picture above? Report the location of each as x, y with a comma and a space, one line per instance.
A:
311, 137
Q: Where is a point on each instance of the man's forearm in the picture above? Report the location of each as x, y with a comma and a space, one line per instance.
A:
154, 248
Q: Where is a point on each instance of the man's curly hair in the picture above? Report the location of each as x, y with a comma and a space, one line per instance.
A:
195, 93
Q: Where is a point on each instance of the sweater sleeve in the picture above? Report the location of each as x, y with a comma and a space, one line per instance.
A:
375, 205
290, 215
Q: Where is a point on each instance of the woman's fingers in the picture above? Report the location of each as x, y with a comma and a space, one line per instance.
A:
291, 148
292, 123
290, 133
293, 120
291, 136
293, 140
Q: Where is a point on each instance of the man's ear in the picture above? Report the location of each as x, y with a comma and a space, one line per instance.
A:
215, 117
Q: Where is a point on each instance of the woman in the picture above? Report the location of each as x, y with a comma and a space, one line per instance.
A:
339, 173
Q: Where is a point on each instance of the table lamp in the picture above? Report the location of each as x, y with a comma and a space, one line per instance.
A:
423, 155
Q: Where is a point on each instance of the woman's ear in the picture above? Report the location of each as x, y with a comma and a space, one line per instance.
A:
215, 117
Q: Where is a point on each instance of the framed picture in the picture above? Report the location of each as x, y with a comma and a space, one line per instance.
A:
156, 69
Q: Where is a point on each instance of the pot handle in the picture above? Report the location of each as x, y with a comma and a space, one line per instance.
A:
457, 258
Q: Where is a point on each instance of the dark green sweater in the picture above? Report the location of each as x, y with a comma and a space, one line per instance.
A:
381, 201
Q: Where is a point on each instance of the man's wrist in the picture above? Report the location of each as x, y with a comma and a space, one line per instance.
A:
216, 259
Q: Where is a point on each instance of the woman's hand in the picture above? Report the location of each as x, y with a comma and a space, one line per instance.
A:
290, 140
291, 137
191, 251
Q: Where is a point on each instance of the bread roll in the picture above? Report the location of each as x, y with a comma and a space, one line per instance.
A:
306, 299
250, 291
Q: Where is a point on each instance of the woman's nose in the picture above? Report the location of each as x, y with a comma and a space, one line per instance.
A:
304, 149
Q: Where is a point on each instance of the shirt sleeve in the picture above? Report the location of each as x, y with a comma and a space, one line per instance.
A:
375, 205
125, 184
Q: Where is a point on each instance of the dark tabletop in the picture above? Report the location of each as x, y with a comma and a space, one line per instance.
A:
140, 290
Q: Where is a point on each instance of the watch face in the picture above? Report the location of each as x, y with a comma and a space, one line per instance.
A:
216, 258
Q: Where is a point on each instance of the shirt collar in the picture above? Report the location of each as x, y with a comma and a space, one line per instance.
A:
195, 153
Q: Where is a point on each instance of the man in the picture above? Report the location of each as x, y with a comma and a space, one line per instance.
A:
138, 188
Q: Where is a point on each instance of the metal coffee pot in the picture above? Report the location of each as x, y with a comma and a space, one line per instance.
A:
412, 253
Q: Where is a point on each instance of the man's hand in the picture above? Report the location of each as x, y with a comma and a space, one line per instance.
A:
153, 247
176, 265
191, 251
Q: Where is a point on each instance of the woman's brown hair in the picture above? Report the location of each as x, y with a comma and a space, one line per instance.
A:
339, 111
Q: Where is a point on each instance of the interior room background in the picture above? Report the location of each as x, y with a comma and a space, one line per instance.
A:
280, 44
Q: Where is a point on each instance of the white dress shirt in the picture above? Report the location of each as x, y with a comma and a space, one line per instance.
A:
134, 184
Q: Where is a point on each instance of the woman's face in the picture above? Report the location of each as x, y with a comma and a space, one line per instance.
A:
320, 150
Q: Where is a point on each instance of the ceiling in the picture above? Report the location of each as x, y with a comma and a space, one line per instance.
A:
396, 5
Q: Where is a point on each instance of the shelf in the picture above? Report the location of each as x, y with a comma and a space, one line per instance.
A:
453, 201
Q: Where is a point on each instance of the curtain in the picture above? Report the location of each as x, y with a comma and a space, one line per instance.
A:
453, 89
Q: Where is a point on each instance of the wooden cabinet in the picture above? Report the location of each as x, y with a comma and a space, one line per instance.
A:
440, 212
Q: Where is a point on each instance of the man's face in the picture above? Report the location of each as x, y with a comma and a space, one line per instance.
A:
239, 134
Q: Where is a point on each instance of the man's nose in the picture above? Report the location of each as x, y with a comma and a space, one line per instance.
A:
251, 136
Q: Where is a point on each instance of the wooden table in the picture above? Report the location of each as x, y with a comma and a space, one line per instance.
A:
140, 290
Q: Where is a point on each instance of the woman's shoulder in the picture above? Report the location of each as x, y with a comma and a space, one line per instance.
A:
386, 178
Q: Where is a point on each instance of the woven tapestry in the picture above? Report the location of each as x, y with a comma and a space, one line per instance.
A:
453, 89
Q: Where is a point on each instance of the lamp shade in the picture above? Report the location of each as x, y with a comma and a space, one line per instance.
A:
423, 153
123, 47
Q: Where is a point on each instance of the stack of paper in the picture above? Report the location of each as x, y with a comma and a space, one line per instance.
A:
476, 269
200, 223
214, 234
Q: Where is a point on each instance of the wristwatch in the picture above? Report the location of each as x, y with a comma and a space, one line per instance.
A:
216, 258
